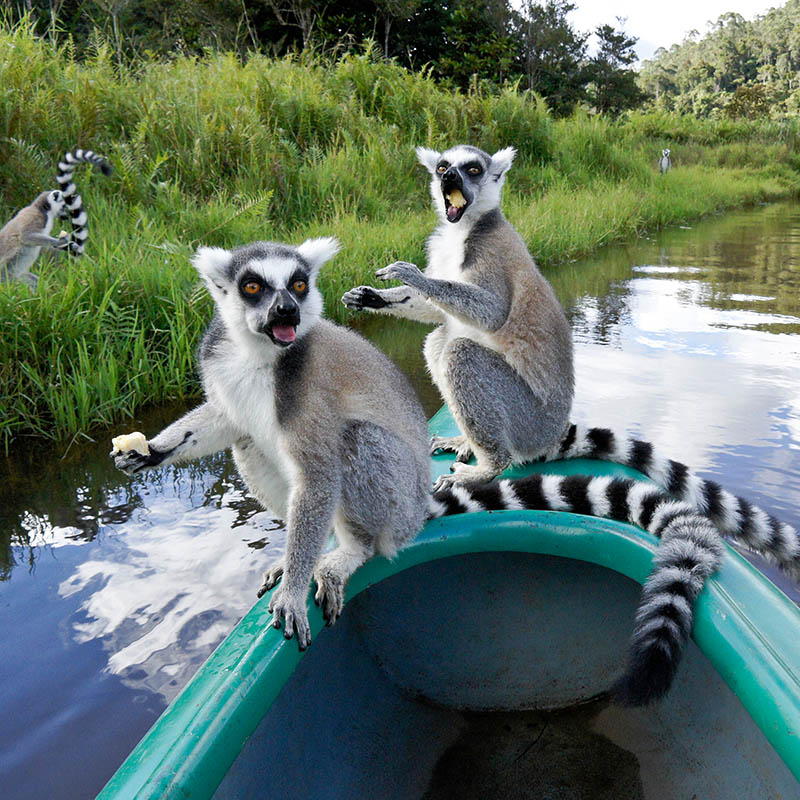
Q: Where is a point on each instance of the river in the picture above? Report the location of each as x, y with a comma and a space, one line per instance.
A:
114, 590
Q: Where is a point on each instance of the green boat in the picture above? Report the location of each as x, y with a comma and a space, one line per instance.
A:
474, 666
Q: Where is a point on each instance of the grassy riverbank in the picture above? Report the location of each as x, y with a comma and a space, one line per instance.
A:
216, 151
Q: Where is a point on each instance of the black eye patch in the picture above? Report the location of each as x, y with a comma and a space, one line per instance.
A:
441, 167
298, 283
253, 287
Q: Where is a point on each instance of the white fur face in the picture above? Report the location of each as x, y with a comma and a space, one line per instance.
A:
466, 182
53, 207
266, 293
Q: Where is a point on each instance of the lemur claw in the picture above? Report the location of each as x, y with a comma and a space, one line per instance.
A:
271, 577
130, 462
329, 594
400, 271
291, 612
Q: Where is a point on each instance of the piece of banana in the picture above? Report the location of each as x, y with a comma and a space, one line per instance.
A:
130, 441
457, 199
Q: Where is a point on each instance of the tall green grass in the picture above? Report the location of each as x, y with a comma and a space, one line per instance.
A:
223, 152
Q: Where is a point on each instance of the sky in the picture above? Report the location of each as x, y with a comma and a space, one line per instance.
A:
661, 24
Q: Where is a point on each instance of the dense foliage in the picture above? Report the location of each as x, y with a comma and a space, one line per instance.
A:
460, 42
222, 150
745, 69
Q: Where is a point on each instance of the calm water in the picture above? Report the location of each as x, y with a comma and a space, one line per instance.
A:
113, 591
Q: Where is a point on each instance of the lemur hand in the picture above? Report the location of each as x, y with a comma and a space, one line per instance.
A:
64, 243
289, 608
132, 454
402, 271
361, 297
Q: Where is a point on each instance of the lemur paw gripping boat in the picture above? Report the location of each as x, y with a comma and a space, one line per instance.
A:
474, 666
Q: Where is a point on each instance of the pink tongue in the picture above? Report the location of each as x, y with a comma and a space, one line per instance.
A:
452, 212
283, 333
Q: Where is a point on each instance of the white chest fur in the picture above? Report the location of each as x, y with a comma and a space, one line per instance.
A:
446, 252
243, 388
446, 248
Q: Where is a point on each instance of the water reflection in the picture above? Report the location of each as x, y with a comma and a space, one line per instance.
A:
122, 587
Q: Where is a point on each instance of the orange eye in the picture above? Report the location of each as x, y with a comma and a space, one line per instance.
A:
441, 169
252, 287
299, 286
474, 170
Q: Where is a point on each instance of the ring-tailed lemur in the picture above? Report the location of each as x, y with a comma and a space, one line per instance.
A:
325, 429
329, 434
519, 389
502, 352
23, 237
72, 200
665, 162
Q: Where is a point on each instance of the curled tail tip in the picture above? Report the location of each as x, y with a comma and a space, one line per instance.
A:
646, 680
106, 168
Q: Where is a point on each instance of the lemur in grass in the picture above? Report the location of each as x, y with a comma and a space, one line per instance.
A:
24, 236
329, 434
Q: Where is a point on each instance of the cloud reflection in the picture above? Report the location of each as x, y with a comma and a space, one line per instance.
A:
169, 584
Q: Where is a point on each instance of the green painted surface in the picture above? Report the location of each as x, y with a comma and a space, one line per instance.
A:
746, 627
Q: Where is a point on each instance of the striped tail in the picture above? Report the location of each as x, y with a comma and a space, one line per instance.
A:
72, 200
736, 517
691, 549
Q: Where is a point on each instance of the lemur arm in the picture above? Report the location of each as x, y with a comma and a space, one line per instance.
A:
43, 240
468, 302
312, 505
399, 301
200, 432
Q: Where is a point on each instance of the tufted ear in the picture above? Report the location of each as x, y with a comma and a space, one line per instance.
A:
318, 251
212, 263
428, 158
501, 162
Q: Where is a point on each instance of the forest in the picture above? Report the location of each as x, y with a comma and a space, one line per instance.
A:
740, 68
532, 45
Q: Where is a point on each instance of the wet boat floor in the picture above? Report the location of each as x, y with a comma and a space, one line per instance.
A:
533, 754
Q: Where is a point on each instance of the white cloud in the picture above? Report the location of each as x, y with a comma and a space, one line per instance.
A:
662, 24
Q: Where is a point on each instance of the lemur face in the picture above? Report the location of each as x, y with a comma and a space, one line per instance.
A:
52, 204
665, 152
465, 179
265, 289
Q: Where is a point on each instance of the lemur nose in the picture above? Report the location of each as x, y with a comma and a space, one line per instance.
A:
451, 173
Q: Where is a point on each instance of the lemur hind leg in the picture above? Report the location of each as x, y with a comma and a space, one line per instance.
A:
384, 503
502, 418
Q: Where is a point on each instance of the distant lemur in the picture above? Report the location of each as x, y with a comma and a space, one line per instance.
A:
328, 433
22, 239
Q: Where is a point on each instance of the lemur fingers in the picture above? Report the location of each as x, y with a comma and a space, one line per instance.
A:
363, 297
289, 611
272, 576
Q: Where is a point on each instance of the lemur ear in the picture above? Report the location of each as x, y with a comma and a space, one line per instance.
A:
318, 251
501, 162
428, 158
212, 263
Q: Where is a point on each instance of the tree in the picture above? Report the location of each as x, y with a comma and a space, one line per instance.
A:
552, 53
477, 43
613, 86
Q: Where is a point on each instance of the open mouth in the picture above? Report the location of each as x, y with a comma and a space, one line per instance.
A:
455, 204
282, 335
